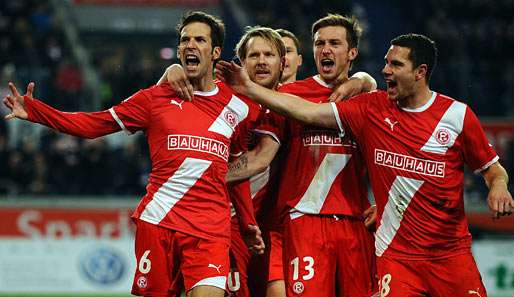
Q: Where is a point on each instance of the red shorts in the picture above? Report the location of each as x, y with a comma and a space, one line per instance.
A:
328, 256
276, 270
453, 276
168, 261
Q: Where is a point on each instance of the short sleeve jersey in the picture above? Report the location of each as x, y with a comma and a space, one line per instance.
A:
323, 172
189, 146
415, 160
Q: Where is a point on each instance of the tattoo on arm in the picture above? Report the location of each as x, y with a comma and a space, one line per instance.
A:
238, 165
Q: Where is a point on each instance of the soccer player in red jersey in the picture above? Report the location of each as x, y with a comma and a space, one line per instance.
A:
183, 221
275, 276
322, 190
415, 143
262, 51
293, 59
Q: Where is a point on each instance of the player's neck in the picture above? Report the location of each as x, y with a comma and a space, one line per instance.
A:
338, 80
203, 84
419, 98
290, 79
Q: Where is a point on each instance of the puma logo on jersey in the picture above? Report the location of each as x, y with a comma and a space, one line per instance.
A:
175, 102
390, 122
471, 292
215, 267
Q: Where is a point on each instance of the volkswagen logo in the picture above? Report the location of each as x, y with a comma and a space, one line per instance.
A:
103, 266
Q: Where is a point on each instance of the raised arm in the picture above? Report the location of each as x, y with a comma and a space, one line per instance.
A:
499, 199
81, 124
285, 104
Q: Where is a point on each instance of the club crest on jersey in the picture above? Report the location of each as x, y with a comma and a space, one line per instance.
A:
443, 136
142, 283
231, 118
298, 288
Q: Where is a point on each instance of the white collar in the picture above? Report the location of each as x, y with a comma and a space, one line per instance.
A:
208, 93
320, 81
424, 106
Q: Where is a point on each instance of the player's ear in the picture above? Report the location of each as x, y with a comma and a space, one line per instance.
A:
352, 53
216, 53
300, 60
421, 72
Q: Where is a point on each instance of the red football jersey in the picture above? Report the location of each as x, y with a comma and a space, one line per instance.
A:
324, 172
189, 147
415, 159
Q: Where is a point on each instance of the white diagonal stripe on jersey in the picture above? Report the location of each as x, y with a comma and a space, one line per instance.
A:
259, 181
221, 125
401, 193
118, 120
317, 192
338, 118
452, 121
174, 189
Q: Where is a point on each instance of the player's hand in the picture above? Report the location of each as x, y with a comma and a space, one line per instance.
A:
176, 76
16, 103
500, 200
253, 238
233, 75
370, 217
346, 89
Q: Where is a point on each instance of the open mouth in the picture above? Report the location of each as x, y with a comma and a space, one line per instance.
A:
391, 84
192, 60
327, 64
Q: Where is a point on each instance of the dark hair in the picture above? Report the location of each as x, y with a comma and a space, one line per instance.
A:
422, 50
216, 25
351, 24
265, 33
285, 33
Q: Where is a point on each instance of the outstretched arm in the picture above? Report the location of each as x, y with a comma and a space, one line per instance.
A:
285, 104
81, 124
499, 199
16, 103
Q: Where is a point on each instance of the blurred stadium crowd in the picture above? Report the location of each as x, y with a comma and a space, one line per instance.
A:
474, 38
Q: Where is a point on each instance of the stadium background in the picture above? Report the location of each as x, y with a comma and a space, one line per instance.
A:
65, 202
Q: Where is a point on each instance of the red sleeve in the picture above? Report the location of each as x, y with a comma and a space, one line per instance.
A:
478, 152
86, 124
351, 114
271, 123
133, 114
237, 143
241, 198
